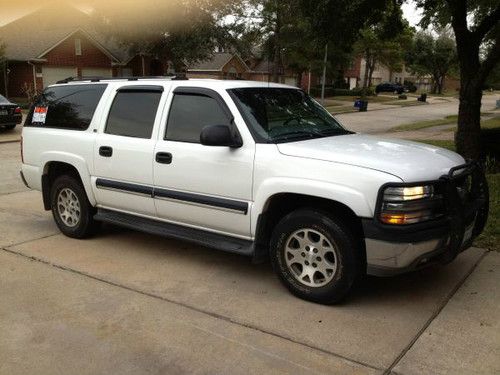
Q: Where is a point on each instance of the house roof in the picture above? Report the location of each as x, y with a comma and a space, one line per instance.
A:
215, 63
29, 37
263, 66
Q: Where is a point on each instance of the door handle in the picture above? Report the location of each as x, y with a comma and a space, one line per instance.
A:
163, 157
106, 151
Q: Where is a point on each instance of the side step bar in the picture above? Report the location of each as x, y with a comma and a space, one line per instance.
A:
160, 228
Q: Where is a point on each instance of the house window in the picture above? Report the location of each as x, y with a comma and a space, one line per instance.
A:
78, 47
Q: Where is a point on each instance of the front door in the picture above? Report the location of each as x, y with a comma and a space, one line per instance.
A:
206, 187
123, 152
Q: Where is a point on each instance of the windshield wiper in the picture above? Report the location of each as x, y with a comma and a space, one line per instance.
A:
297, 134
328, 132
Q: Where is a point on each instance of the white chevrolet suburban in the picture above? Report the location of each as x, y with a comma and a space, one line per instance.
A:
251, 168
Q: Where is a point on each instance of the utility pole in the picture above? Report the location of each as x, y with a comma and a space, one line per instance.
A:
324, 75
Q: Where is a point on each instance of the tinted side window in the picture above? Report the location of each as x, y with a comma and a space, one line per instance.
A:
67, 107
133, 114
189, 114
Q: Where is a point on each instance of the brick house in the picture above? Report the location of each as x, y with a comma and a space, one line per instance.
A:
43, 48
221, 65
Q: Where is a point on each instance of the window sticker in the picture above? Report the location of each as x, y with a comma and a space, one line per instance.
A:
39, 115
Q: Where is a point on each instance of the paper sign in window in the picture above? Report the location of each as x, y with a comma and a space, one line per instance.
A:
39, 115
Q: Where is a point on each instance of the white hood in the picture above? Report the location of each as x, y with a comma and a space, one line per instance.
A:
410, 161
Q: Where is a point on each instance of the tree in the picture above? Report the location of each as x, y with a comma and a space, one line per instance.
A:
434, 56
281, 32
477, 33
182, 31
381, 43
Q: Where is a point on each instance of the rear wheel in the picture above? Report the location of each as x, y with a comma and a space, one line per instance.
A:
72, 211
315, 256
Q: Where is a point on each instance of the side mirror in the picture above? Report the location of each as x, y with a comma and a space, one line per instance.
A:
219, 135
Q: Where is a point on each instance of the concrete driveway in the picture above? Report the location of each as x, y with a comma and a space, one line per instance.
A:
129, 303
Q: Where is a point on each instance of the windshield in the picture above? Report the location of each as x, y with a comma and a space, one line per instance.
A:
3, 100
277, 115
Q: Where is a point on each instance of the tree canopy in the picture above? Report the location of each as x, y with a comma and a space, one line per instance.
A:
476, 25
433, 55
183, 31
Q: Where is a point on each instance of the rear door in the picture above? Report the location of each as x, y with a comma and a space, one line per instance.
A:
123, 152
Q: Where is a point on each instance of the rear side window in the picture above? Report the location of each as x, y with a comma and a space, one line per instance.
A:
189, 114
66, 107
133, 114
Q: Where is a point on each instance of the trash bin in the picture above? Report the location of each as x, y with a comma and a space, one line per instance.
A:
422, 98
362, 105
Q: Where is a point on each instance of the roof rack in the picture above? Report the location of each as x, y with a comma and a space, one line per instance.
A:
99, 79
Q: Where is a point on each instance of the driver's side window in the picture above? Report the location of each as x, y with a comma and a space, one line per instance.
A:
189, 114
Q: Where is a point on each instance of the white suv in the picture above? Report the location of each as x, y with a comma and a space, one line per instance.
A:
251, 168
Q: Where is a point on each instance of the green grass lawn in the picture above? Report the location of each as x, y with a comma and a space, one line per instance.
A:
448, 120
404, 103
490, 239
425, 124
371, 99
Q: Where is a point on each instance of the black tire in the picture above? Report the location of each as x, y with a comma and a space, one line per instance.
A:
347, 254
10, 127
85, 226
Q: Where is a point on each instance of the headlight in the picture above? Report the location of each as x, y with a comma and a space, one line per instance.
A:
402, 205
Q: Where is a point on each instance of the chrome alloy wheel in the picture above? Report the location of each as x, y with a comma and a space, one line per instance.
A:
68, 207
311, 257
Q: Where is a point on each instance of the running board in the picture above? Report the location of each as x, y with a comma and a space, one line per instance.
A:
160, 228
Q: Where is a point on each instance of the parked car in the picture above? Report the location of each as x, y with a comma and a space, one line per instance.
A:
251, 168
10, 114
395, 88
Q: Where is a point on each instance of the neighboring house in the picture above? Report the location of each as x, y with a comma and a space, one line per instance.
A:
43, 48
221, 65
262, 70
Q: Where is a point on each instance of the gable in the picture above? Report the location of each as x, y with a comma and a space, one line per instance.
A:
235, 65
64, 52
38, 32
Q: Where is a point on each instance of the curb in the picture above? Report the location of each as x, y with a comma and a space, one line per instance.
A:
10, 141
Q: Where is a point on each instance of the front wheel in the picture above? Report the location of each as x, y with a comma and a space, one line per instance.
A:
72, 211
315, 256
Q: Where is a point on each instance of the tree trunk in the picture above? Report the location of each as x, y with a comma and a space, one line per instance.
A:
467, 137
370, 74
365, 80
299, 79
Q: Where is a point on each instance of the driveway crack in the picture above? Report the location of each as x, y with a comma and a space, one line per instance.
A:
190, 307
433, 316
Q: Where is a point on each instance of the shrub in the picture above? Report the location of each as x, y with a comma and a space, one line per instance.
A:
490, 149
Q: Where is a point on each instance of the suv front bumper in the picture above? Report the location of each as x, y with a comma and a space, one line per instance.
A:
394, 249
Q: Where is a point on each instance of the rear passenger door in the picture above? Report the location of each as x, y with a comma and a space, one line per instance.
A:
123, 152
207, 187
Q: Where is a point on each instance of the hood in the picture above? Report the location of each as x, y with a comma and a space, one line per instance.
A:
410, 161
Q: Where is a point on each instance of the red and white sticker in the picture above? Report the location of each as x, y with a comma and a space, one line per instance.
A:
39, 115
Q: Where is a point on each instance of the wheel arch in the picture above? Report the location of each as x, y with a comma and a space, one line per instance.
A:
281, 204
54, 167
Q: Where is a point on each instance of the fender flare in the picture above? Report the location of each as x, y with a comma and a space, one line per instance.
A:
345, 195
78, 162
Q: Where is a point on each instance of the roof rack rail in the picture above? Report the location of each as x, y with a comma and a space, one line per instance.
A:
132, 78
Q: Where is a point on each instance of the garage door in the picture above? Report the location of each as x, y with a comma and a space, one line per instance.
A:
56, 73
96, 72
